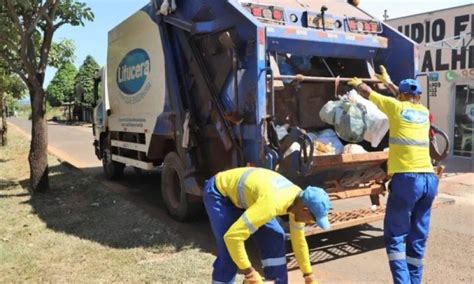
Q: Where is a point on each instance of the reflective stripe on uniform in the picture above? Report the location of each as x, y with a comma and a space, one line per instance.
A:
241, 188
274, 261
408, 142
414, 261
249, 225
297, 227
397, 256
281, 183
220, 282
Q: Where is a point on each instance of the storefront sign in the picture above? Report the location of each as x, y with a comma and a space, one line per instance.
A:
433, 88
436, 30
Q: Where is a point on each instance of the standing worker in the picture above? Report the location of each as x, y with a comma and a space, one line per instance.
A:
414, 184
245, 201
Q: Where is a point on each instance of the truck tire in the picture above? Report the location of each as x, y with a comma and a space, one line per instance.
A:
113, 170
173, 190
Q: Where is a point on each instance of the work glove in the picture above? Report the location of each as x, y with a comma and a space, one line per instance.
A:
253, 278
383, 76
310, 279
355, 82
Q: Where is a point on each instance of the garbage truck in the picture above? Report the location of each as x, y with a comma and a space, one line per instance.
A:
194, 87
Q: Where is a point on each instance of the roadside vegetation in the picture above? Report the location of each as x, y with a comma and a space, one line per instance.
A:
79, 232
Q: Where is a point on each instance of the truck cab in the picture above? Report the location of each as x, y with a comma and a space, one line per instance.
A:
101, 106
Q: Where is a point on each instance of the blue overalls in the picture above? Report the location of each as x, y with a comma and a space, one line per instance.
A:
406, 224
270, 239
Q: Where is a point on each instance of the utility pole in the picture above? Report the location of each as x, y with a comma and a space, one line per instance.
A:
385, 15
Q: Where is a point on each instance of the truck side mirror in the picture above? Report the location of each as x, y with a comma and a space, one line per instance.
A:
96, 92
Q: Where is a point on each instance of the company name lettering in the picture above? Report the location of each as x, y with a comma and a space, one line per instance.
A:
127, 73
435, 31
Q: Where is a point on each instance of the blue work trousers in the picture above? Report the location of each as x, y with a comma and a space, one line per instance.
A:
407, 222
269, 239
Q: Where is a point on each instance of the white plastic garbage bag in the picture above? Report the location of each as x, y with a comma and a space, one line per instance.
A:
354, 149
167, 7
377, 121
350, 122
328, 111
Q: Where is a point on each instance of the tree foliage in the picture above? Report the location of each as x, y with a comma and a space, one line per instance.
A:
61, 87
11, 85
85, 80
61, 53
26, 33
12, 88
26, 36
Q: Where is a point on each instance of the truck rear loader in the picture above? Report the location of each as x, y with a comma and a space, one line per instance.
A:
210, 85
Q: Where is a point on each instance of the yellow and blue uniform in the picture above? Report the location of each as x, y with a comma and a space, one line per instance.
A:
409, 150
245, 201
413, 186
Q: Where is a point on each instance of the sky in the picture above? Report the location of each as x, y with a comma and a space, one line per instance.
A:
92, 38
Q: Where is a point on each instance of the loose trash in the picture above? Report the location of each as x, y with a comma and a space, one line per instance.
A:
359, 177
292, 64
321, 149
329, 139
354, 149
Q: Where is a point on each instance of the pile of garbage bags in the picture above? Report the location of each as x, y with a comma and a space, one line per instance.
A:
355, 119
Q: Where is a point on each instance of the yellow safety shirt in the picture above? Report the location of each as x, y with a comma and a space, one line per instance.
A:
409, 145
264, 195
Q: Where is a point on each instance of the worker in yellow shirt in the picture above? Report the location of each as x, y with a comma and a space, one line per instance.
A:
414, 184
245, 201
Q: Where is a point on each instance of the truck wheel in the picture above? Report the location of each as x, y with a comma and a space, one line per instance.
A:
113, 170
173, 190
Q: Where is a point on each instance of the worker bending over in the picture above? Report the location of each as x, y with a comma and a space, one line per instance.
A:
414, 184
245, 201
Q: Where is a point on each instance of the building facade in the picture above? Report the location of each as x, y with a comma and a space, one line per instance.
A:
446, 63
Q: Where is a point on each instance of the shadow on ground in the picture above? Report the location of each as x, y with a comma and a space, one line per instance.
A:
458, 165
342, 243
129, 214
79, 205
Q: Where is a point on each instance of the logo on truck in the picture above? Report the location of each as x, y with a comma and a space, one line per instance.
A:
132, 74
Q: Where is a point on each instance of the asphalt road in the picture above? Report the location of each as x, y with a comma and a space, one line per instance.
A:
353, 255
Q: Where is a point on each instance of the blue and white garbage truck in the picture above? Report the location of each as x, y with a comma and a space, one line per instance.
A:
208, 85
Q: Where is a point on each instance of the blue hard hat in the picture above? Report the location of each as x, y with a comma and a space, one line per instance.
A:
317, 200
410, 86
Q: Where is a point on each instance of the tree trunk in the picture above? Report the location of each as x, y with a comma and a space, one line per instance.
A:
3, 131
38, 156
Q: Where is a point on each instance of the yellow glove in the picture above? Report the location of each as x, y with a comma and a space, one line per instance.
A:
310, 279
253, 278
355, 82
383, 76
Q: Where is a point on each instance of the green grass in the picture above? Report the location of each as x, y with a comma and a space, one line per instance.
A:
80, 232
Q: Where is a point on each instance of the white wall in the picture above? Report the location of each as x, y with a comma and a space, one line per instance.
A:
454, 66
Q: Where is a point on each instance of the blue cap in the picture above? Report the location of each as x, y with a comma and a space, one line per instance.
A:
410, 86
317, 200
